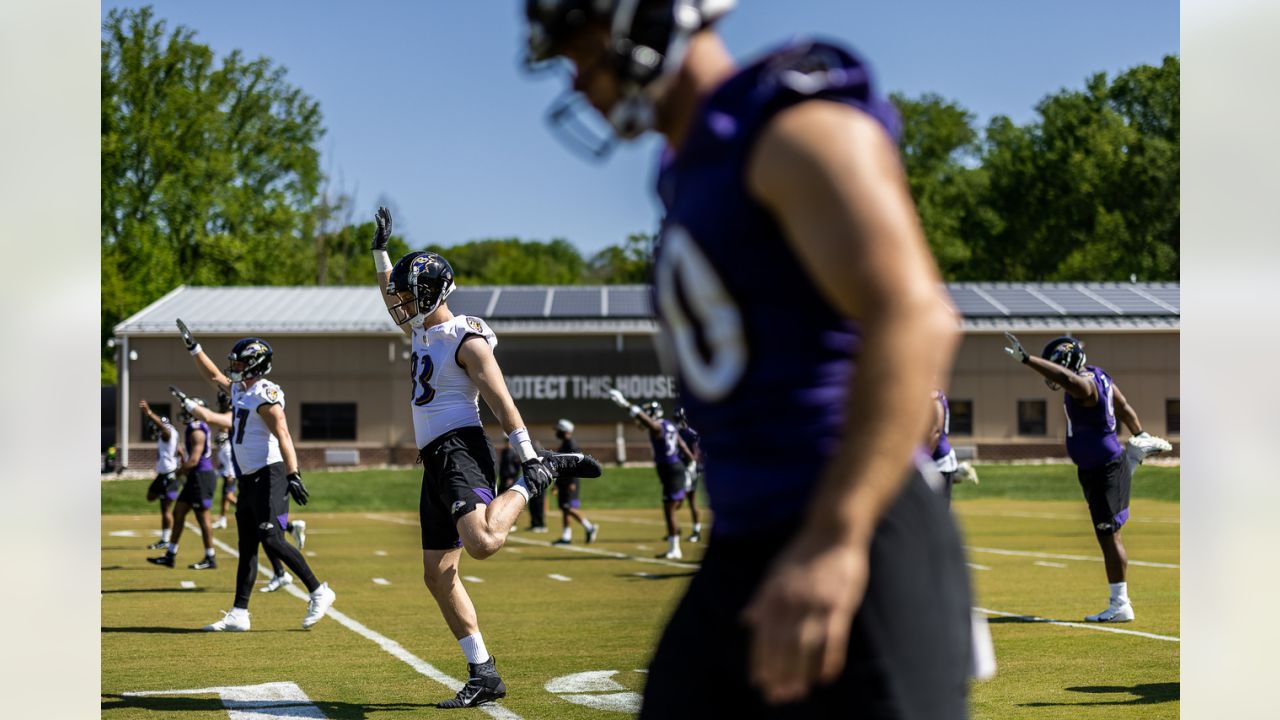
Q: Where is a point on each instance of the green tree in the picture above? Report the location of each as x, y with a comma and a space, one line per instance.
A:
511, 261
623, 264
210, 170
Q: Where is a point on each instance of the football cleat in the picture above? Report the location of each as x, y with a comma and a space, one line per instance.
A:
561, 541
591, 533
219, 524
298, 529
966, 473
1149, 444
208, 563
320, 602
235, 621
572, 465
166, 560
670, 555
159, 545
1116, 612
483, 686
277, 582
695, 537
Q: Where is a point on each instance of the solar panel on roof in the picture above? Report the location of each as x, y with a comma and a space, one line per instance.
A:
1167, 294
470, 301
629, 302
1018, 301
575, 302
1074, 301
970, 303
1129, 301
516, 302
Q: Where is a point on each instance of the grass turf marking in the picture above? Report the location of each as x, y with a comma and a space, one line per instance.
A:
187, 585
392, 647
1046, 563
1087, 626
1053, 556
253, 702
381, 581
561, 578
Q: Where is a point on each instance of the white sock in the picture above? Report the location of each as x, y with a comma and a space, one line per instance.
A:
165, 535
586, 525
208, 552
173, 548
473, 647
673, 543
697, 528
1119, 591
567, 533
240, 612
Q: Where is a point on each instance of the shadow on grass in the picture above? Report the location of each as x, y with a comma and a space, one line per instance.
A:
152, 630
658, 576
168, 705
154, 590
1144, 694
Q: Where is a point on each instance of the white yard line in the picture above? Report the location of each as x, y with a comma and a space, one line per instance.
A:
1046, 563
381, 581
472, 579
976, 566
1054, 556
561, 578
1101, 627
390, 646
187, 585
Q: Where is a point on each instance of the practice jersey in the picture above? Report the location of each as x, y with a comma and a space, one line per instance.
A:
444, 398
253, 447
224, 459
943, 456
694, 441
1091, 431
666, 451
206, 455
759, 352
166, 451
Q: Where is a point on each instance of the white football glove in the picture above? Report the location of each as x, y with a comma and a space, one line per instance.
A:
1149, 444
619, 399
966, 473
1015, 351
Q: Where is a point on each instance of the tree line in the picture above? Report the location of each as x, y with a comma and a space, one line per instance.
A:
211, 176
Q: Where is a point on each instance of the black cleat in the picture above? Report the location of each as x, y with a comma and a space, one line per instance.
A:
561, 541
158, 545
574, 465
165, 560
483, 686
208, 563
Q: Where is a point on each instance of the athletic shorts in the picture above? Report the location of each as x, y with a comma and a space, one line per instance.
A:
948, 479
673, 478
567, 493
1106, 491
228, 484
909, 654
264, 499
199, 488
165, 484
458, 473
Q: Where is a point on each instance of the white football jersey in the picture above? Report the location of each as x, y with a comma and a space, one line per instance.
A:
167, 451
252, 444
444, 398
223, 460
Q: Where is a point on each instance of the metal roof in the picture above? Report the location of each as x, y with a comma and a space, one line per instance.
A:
623, 308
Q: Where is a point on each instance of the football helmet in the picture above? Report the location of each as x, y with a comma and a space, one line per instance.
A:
563, 426
255, 353
221, 438
648, 40
653, 409
421, 281
224, 401
185, 414
1065, 351
678, 414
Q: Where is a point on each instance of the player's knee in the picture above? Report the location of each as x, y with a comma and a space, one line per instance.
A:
481, 547
439, 580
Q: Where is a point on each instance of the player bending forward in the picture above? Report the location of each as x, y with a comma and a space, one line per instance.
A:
1105, 470
452, 364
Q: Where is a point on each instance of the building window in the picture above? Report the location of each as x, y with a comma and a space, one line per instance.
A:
1031, 417
149, 428
1172, 412
328, 421
961, 417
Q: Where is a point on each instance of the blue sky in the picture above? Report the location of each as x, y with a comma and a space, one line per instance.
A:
426, 106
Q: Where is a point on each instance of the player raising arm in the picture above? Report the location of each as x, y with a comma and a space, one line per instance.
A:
670, 458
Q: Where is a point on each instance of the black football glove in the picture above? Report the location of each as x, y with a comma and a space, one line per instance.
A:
297, 490
537, 476
187, 339
383, 233
186, 402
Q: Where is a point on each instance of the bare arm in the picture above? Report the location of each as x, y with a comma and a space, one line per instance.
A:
198, 440
161, 428
482, 367
935, 427
273, 416
685, 452
1124, 411
222, 420
1080, 388
382, 263
832, 177
210, 372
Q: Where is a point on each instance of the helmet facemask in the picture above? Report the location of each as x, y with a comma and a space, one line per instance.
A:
254, 355
1067, 352
421, 282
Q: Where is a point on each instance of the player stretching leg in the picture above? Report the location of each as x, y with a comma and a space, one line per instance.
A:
1093, 402
197, 492
669, 453
567, 491
452, 366
696, 471
165, 487
266, 467
834, 584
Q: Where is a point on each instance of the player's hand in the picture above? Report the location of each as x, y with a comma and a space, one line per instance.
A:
145, 407
1015, 348
192, 346
619, 399
297, 490
537, 476
383, 232
187, 402
800, 616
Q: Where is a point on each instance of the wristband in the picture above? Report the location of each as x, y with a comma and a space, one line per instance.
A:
520, 489
381, 261
196, 350
520, 441
635, 410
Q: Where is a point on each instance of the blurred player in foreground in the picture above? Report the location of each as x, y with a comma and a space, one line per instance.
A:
834, 584
1093, 402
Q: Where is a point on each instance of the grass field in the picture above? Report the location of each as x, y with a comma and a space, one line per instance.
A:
552, 613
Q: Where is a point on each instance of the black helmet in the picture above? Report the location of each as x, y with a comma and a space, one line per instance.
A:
186, 415
427, 279
255, 353
653, 409
224, 401
678, 414
1065, 351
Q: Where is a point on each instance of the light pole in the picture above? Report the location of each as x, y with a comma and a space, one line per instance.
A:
123, 357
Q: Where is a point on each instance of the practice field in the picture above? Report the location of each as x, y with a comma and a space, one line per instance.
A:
572, 627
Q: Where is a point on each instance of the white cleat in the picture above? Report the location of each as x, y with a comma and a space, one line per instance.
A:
1148, 444
299, 533
1116, 612
320, 602
235, 621
966, 473
671, 555
219, 524
277, 582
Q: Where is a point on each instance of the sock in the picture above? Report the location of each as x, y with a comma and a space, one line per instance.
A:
173, 548
208, 552
165, 535
697, 528
1119, 591
239, 611
566, 534
673, 543
473, 648
586, 525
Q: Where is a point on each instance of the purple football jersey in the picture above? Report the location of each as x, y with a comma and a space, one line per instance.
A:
761, 356
944, 445
206, 459
665, 449
1091, 431
693, 440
